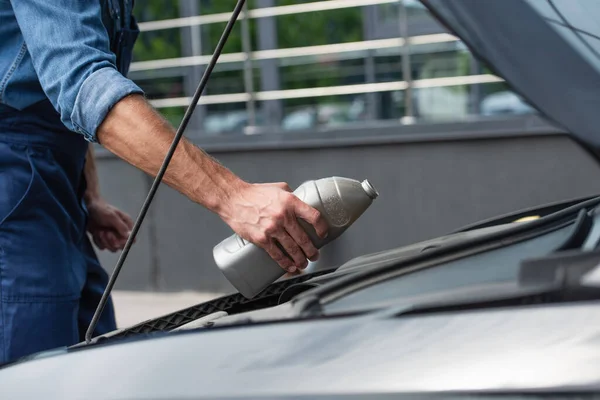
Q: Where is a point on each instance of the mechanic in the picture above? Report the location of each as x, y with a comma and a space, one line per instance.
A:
62, 86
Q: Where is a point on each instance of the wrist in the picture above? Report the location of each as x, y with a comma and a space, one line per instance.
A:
91, 197
226, 190
232, 189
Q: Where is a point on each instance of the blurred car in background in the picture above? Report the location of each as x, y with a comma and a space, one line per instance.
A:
228, 123
502, 103
323, 115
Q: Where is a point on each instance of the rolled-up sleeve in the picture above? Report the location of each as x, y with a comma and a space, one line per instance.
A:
70, 50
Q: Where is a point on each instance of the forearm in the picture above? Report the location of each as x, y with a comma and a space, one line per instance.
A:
139, 135
263, 214
92, 190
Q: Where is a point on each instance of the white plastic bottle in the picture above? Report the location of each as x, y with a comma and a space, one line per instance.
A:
341, 201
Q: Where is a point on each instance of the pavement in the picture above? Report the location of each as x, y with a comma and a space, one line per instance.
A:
134, 307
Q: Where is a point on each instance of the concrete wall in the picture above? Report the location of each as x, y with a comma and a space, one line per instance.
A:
431, 180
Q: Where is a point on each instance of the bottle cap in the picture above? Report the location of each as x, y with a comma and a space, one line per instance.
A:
369, 189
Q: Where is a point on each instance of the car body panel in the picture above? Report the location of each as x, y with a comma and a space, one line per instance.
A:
530, 348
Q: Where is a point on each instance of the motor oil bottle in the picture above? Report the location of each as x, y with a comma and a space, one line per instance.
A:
341, 202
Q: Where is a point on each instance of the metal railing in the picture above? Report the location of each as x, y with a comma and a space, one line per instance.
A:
403, 46
259, 13
294, 52
330, 90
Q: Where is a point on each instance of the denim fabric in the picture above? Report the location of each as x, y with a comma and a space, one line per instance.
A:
50, 278
72, 52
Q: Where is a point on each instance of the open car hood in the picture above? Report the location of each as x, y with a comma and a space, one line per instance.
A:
547, 50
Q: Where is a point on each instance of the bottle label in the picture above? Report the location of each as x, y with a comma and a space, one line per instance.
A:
337, 214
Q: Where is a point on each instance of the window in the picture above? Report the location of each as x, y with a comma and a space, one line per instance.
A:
310, 65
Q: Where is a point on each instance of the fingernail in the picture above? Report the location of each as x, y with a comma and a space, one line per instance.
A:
291, 270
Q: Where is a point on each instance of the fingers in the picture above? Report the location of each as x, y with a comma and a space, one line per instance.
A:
278, 256
126, 219
289, 275
120, 225
268, 217
292, 248
103, 237
312, 216
110, 240
99, 242
300, 237
118, 240
129, 223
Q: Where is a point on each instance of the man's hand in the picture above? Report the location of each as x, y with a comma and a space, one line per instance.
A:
266, 215
109, 226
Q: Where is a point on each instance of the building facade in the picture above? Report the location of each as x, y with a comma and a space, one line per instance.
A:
304, 65
372, 89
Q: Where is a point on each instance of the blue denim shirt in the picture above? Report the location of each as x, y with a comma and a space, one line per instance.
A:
72, 52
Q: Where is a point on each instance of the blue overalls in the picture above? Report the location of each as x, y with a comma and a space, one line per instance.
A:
50, 278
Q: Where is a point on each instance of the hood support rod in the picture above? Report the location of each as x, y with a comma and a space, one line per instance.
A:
184, 123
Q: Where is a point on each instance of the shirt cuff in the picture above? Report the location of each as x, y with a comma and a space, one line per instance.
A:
99, 93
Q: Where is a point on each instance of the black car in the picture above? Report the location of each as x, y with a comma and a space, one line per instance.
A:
508, 308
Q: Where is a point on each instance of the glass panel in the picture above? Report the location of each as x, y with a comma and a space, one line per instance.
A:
178, 82
212, 32
163, 87
225, 119
319, 28
388, 20
215, 6
348, 82
291, 2
456, 97
317, 113
329, 72
449, 60
440, 102
226, 82
155, 10
158, 45
173, 114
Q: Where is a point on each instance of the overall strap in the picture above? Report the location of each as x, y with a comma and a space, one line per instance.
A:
123, 29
